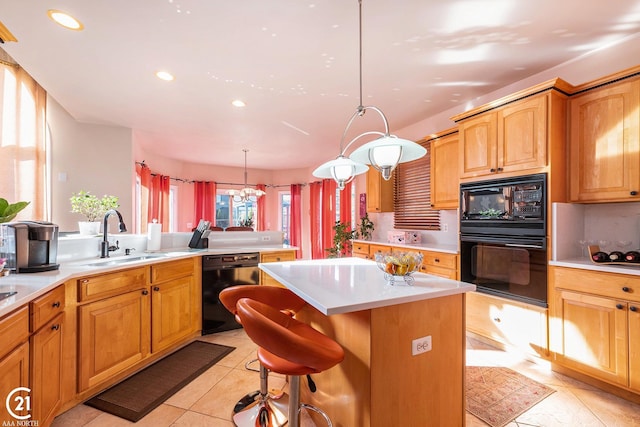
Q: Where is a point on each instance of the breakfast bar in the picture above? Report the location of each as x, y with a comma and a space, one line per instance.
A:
404, 345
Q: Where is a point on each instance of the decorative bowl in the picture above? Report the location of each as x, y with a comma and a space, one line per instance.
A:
399, 265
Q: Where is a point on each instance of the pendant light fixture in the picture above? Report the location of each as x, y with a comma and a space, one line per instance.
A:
383, 153
243, 195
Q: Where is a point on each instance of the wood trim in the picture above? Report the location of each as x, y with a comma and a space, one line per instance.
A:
608, 79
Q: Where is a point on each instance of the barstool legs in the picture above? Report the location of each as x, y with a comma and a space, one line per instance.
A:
261, 408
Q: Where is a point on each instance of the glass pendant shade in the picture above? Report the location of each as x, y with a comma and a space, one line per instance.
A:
385, 153
342, 170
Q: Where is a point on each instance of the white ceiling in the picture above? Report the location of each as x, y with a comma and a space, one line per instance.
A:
294, 63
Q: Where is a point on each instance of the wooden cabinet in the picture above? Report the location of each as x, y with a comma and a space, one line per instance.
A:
509, 323
46, 355
597, 316
174, 302
360, 250
376, 249
114, 315
379, 192
275, 256
14, 362
440, 264
445, 179
512, 138
604, 148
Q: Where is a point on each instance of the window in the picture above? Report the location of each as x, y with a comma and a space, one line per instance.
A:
285, 215
173, 208
412, 195
235, 213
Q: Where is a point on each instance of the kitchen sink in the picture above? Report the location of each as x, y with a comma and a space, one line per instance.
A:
124, 260
4, 295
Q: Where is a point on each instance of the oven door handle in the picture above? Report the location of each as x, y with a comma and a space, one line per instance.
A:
517, 245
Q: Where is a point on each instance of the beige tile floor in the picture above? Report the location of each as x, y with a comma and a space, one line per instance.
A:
207, 401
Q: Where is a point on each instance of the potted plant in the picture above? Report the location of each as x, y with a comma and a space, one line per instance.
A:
8, 211
365, 228
93, 208
341, 240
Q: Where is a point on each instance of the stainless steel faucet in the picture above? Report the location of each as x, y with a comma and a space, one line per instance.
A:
104, 245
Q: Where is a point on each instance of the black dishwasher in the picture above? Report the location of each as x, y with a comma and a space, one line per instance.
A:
219, 272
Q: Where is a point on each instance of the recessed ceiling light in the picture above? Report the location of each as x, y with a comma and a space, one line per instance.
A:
64, 19
165, 75
238, 103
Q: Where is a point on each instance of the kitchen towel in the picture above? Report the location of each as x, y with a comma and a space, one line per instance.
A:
154, 235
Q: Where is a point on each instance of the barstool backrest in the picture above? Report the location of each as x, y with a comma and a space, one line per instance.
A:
279, 298
288, 338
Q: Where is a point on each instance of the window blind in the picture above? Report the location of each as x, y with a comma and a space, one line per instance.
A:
412, 195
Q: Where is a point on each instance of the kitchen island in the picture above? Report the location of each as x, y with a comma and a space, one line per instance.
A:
404, 345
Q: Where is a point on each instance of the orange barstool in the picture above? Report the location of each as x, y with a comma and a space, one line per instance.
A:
289, 347
272, 407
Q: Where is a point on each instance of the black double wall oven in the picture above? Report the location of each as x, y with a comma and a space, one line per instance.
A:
503, 243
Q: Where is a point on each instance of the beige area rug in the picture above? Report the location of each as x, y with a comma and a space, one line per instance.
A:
498, 395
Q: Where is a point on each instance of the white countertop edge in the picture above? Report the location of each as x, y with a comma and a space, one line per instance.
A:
585, 264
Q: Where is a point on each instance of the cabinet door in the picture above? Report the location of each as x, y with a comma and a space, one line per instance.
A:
522, 135
444, 173
478, 145
634, 346
46, 370
603, 151
361, 250
14, 369
119, 324
594, 336
172, 312
379, 192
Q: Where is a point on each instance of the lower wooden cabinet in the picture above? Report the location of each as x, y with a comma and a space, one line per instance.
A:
440, 264
46, 370
14, 363
360, 250
173, 314
510, 323
597, 325
113, 334
275, 256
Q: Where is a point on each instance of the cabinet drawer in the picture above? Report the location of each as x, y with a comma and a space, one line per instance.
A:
440, 260
46, 307
14, 329
447, 273
374, 249
361, 248
619, 286
278, 256
171, 270
100, 286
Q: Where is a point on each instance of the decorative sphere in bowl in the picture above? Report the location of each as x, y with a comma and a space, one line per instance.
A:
399, 264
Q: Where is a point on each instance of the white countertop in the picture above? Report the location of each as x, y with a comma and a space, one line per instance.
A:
344, 285
586, 264
31, 285
436, 247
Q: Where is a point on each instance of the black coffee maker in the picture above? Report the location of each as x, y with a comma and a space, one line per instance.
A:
29, 246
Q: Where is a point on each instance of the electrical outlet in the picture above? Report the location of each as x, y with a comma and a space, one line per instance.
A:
421, 345
445, 227
266, 238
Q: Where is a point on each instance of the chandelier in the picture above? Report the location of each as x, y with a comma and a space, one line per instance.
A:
247, 192
383, 153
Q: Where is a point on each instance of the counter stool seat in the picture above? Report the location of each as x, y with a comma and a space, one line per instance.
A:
289, 347
271, 405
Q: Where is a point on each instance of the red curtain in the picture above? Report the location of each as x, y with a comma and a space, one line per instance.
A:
159, 200
328, 213
295, 219
144, 173
261, 225
345, 204
204, 201
315, 189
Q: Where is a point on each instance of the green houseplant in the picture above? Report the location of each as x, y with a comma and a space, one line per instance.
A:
341, 240
365, 228
93, 209
8, 211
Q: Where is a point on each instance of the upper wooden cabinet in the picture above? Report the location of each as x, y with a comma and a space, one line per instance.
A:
445, 182
512, 138
379, 192
604, 143
515, 135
